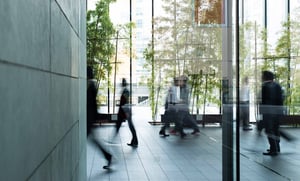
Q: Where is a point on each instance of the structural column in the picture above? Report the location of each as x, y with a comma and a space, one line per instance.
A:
227, 89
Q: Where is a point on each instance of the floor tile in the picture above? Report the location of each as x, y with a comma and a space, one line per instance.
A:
192, 158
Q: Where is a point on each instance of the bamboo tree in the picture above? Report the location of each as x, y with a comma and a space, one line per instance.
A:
100, 30
182, 47
148, 55
287, 45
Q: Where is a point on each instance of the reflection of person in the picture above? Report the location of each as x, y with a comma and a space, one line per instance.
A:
169, 114
177, 108
244, 104
124, 113
173, 110
166, 121
92, 115
271, 109
184, 97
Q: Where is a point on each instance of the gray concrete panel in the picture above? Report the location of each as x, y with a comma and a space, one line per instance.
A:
82, 111
71, 11
82, 61
43, 172
25, 32
64, 99
75, 56
25, 122
82, 114
64, 44
63, 167
62, 162
82, 30
80, 173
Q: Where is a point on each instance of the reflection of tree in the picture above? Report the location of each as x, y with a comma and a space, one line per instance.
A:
284, 61
209, 11
180, 48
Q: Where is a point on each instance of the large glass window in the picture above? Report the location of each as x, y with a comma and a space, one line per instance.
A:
221, 65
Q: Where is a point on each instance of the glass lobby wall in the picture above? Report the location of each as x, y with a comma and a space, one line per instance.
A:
272, 52
192, 40
186, 44
182, 46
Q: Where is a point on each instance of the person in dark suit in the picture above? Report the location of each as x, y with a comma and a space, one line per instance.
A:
92, 116
124, 113
272, 109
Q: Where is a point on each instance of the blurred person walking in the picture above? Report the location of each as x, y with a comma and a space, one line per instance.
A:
184, 99
92, 116
174, 110
170, 111
244, 104
124, 113
271, 109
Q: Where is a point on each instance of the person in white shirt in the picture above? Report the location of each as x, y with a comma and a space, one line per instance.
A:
244, 104
173, 111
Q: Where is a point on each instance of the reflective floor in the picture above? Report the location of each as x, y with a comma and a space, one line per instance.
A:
192, 158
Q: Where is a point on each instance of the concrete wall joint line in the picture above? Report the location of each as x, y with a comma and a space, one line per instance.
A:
53, 149
73, 28
35, 68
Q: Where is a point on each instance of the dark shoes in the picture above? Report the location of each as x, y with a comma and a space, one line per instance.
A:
108, 163
133, 145
270, 153
107, 167
163, 133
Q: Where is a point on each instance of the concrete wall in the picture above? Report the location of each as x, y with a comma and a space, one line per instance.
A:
42, 90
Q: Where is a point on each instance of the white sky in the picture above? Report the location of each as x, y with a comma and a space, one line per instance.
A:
120, 15
91, 4
122, 8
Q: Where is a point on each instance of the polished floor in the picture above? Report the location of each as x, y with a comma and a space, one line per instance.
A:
192, 158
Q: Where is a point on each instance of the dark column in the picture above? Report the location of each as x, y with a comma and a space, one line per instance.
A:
227, 92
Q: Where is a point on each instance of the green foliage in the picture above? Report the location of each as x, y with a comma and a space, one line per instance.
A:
246, 33
284, 63
288, 45
265, 46
100, 30
295, 99
148, 55
283, 46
